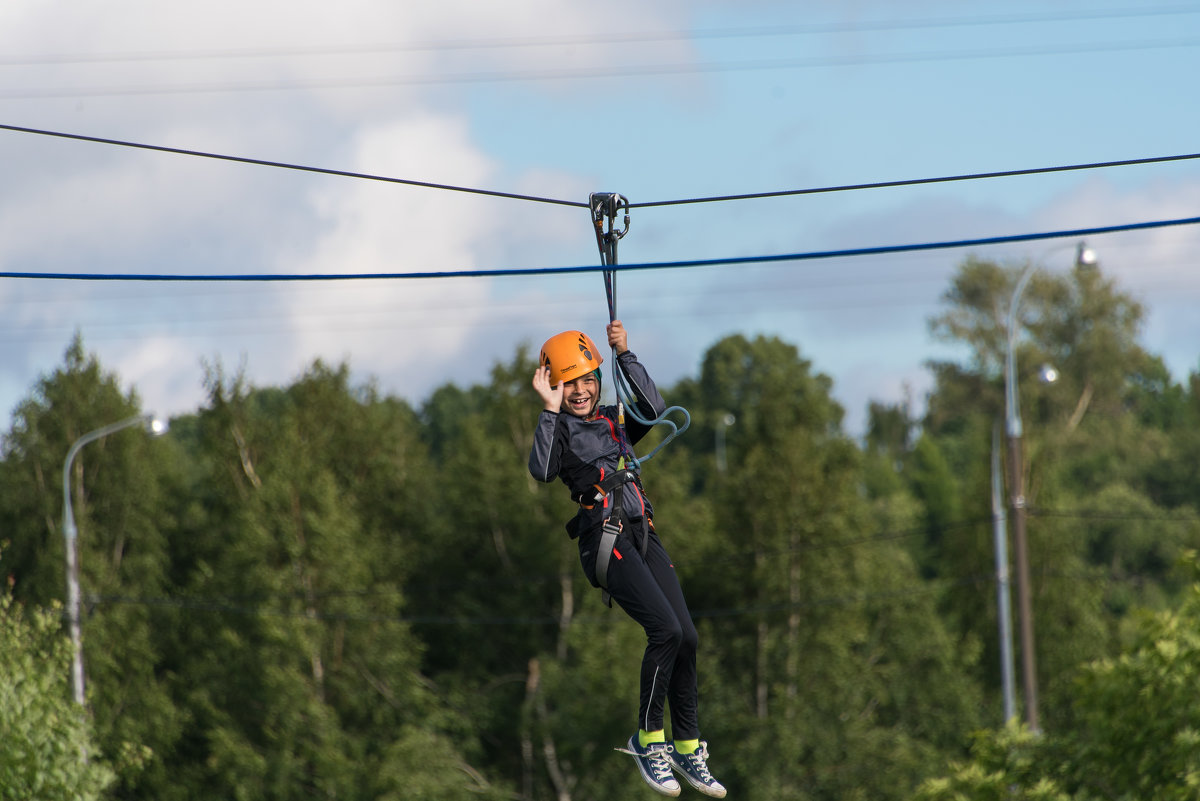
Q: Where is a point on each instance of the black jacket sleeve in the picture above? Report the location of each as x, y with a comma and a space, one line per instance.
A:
549, 439
648, 401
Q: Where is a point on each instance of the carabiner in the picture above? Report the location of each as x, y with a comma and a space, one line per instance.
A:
605, 207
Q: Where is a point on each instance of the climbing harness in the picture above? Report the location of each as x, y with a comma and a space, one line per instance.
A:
605, 208
615, 483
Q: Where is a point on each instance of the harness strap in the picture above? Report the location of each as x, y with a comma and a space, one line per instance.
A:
607, 547
615, 484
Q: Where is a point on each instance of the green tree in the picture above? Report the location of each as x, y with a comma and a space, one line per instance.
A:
47, 739
118, 486
1132, 732
815, 620
295, 660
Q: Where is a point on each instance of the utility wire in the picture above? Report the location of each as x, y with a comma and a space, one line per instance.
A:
608, 37
505, 582
492, 76
931, 586
662, 265
1113, 516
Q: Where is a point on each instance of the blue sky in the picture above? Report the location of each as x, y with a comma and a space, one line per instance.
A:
655, 100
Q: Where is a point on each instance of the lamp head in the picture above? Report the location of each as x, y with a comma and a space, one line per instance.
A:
156, 425
1085, 256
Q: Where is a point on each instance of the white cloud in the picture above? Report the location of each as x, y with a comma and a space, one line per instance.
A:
371, 228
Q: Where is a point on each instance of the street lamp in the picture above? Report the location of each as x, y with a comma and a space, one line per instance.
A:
70, 534
724, 422
1083, 256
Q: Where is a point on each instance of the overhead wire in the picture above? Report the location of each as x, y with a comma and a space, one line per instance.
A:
256, 603
587, 268
853, 599
621, 70
490, 76
610, 37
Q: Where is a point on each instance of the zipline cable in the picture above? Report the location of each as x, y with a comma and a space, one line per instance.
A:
647, 204
288, 166
974, 176
879, 250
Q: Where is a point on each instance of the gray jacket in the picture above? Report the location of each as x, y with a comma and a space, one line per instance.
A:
584, 452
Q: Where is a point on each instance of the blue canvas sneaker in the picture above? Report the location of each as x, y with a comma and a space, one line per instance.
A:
693, 768
653, 765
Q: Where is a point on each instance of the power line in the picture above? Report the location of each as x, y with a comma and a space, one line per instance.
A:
255, 602
664, 265
261, 603
606, 38
931, 586
620, 71
1106, 515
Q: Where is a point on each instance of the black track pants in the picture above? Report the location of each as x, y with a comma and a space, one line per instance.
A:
648, 590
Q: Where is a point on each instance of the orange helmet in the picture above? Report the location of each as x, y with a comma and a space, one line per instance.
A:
570, 355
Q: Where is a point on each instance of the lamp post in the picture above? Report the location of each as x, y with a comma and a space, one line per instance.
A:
724, 422
1003, 601
70, 534
1083, 255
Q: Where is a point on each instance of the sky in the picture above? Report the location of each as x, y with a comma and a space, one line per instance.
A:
657, 101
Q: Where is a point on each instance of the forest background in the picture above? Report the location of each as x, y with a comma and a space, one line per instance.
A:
318, 591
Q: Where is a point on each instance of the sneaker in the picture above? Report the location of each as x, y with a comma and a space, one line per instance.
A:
694, 769
653, 765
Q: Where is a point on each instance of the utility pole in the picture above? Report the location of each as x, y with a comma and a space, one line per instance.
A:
1084, 256
1016, 485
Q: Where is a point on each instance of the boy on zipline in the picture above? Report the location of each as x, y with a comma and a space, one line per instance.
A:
583, 443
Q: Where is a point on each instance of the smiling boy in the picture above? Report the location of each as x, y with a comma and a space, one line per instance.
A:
582, 443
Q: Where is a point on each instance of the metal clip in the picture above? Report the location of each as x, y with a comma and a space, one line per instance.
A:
605, 207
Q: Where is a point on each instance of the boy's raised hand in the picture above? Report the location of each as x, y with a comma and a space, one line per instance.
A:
618, 339
551, 396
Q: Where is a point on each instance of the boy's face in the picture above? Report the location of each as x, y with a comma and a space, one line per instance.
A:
581, 396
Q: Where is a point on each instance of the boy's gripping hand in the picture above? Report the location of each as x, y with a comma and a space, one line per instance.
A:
618, 339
